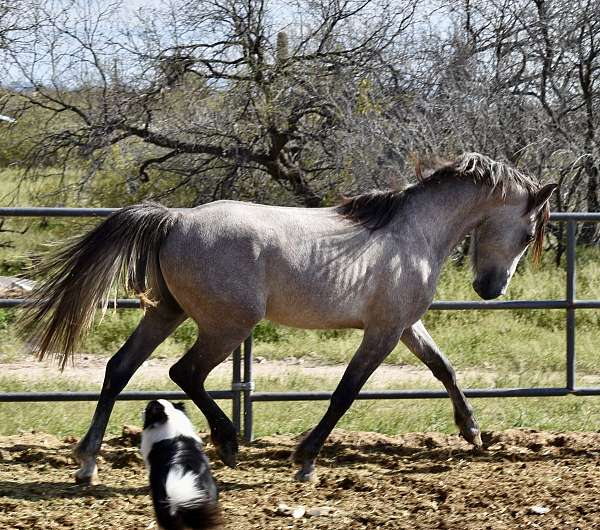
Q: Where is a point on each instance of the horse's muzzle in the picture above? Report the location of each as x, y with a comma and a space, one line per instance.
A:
490, 286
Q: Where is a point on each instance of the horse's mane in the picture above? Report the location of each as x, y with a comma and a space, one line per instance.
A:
375, 209
497, 175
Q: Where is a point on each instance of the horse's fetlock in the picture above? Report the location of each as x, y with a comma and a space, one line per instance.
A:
227, 449
469, 430
306, 473
307, 451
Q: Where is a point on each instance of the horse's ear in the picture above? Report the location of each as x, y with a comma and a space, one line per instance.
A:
542, 197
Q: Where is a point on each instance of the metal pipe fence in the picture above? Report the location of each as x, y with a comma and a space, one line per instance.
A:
242, 394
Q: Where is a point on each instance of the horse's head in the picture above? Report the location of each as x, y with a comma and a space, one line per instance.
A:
503, 236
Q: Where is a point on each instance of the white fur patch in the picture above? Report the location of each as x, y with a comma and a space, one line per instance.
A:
182, 492
177, 424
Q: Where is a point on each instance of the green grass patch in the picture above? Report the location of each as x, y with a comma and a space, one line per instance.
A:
385, 416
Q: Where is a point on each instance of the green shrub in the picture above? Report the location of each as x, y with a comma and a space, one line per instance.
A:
185, 335
267, 332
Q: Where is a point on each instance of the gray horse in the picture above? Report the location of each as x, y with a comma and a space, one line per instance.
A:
370, 263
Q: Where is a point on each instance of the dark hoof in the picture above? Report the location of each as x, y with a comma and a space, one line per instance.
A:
307, 472
304, 476
471, 433
228, 453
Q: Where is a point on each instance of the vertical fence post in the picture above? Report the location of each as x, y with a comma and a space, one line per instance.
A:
570, 307
248, 388
236, 380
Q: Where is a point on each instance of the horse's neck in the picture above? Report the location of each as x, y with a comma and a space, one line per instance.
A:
446, 212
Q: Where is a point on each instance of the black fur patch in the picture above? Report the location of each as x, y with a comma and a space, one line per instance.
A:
180, 406
154, 414
186, 453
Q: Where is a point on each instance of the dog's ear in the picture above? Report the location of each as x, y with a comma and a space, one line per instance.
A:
154, 414
180, 406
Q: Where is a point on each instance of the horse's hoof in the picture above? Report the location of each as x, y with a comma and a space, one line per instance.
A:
305, 476
307, 472
228, 454
85, 479
473, 436
87, 474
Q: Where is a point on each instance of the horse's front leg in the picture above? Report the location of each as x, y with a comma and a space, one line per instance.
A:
423, 346
374, 348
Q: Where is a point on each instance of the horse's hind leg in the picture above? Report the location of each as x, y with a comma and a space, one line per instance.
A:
190, 374
375, 347
156, 325
423, 346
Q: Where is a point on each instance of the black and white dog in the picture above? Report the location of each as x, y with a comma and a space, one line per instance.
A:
183, 490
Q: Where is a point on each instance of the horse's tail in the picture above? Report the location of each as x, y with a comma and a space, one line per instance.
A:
79, 276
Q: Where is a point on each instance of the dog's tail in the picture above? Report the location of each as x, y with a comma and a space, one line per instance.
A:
194, 506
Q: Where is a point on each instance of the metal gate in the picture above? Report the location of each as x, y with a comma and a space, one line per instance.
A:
242, 392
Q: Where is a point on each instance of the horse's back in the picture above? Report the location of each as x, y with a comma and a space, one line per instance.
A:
298, 266
246, 230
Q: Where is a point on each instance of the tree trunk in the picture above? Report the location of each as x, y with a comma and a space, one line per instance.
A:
589, 230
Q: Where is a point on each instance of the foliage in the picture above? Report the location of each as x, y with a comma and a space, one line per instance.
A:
266, 331
226, 107
196, 101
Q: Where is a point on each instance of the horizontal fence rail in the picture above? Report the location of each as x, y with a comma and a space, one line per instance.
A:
242, 392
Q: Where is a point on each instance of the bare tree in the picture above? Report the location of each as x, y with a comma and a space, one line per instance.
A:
517, 80
219, 88
5, 22
294, 103
545, 59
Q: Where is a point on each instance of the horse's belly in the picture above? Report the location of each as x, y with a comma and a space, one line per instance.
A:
300, 312
311, 322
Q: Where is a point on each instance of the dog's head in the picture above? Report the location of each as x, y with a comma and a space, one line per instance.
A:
161, 411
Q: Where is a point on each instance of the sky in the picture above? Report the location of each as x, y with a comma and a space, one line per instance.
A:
281, 12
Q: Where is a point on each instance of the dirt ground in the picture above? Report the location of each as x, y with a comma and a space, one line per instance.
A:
525, 479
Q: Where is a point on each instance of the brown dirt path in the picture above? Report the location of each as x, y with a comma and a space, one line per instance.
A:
90, 368
526, 479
